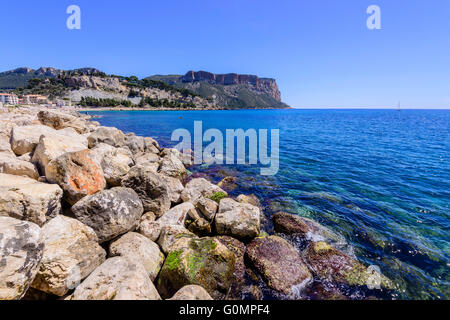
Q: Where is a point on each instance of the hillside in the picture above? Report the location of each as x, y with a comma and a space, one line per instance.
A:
91, 87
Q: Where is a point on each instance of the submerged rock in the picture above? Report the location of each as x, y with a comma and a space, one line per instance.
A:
27, 199
205, 262
239, 220
118, 278
135, 246
279, 264
228, 183
77, 173
110, 212
150, 187
191, 292
330, 264
71, 253
21, 250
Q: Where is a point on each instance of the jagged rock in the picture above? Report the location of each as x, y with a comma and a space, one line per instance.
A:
77, 173
239, 220
51, 147
135, 143
26, 157
148, 227
150, 187
115, 162
170, 234
112, 136
110, 212
198, 188
172, 166
205, 262
280, 265
200, 227
59, 120
191, 292
174, 187
21, 250
9, 164
118, 278
238, 248
308, 229
208, 208
250, 199
27, 199
330, 264
71, 253
151, 145
228, 183
135, 246
25, 139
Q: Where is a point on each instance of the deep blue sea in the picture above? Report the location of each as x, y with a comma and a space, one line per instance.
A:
381, 178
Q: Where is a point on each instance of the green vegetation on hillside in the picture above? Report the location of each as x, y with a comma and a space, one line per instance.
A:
50, 87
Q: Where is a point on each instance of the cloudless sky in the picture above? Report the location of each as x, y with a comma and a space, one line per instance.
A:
319, 51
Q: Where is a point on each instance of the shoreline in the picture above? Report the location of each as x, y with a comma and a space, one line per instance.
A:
169, 109
182, 228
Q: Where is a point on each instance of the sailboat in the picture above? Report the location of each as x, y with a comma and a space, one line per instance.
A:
398, 107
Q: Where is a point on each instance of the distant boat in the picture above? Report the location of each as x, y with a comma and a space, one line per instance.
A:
398, 107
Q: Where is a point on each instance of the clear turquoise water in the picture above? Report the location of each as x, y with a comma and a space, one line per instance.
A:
381, 178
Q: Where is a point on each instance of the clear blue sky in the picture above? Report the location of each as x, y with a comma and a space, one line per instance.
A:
320, 51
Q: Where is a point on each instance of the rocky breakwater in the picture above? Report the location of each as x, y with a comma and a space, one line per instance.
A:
90, 213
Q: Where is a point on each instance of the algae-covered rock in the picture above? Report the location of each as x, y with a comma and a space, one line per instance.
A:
330, 264
205, 262
198, 188
279, 264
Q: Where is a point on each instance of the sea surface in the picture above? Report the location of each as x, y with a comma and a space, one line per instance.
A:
380, 178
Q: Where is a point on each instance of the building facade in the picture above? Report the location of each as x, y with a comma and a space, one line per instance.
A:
9, 98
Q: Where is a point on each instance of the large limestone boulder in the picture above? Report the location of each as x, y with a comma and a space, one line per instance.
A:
10, 164
135, 143
198, 188
78, 174
115, 162
118, 278
60, 120
280, 265
51, 147
175, 216
135, 246
330, 264
21, 250
174, 187
150, 187
5, 145
208, 208
191, 292
109, 135
27, 199
151, 145
172, 166
71, 253
24, 139
239, 220
110, 212
205, 262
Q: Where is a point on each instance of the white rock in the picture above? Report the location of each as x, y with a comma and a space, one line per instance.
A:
25, 139
198, 188
135, 246
71, 253
10, 164
118, 278
27, 199
21, 250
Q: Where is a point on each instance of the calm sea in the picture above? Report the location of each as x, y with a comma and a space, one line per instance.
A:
381, 178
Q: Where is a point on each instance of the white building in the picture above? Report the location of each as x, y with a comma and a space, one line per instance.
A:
9, 98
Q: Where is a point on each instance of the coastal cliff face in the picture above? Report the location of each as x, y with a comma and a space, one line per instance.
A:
264, 85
